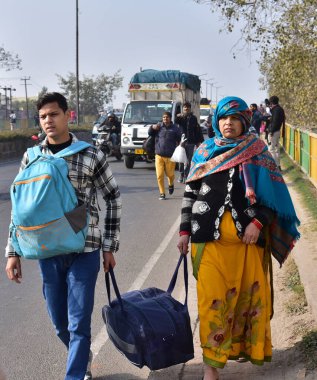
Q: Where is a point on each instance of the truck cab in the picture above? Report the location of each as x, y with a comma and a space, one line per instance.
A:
153, 92
137, 118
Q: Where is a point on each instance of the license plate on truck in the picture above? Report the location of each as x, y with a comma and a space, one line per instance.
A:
139, 151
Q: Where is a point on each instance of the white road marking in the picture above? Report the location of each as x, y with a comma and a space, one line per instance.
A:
102, 336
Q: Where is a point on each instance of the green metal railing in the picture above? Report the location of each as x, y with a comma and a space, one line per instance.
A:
301, 146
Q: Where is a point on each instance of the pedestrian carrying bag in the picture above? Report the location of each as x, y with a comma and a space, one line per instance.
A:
179, 154
47, 219
149, 326
149, 145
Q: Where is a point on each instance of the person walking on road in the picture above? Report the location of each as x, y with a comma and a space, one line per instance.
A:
256, 118
189, 126
69, 280
237, 212
267, 119
277, 122
167, 137
13, 120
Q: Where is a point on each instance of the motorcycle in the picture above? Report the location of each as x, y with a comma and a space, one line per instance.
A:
38, 138
104, 143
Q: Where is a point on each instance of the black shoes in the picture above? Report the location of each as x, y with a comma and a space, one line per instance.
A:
171, 189
162, 197
88, 375
180, 179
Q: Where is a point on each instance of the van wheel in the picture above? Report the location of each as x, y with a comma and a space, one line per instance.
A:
129, 161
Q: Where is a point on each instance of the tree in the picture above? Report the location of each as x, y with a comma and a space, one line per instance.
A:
94, 93
43, 91
8, 60
285, 33
290, 69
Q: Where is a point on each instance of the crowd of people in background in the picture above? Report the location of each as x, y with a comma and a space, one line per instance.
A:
236, 214
266, 121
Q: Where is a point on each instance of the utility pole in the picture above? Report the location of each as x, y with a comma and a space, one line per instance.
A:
77, 64
26, 98
5, 89
11, 89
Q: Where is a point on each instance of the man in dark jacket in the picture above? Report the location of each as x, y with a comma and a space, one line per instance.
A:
189, 126
256, 119
167, 137
277, 122
115, 125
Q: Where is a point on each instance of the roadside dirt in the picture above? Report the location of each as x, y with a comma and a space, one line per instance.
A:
287, 328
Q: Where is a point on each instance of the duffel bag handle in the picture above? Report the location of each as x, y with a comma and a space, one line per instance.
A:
174, 278
115, 286
170, 287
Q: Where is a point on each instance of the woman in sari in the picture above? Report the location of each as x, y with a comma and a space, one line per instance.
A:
237, 212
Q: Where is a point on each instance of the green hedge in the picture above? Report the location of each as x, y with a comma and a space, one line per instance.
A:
25, 134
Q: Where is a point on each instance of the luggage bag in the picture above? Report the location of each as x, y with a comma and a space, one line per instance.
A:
149, 326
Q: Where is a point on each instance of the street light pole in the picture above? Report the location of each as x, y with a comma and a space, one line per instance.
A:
217, 87
77, 64
211, 86
207, 82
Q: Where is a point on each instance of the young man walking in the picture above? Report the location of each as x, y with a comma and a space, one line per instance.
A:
189, 126
69, 280
167, 137
276, 123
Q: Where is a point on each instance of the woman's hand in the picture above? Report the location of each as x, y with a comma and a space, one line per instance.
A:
251, 234
183, 243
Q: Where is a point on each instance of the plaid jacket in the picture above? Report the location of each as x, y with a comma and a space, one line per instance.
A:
88, 169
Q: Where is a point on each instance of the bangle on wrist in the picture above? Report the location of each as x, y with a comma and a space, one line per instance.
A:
181, 233
258, 224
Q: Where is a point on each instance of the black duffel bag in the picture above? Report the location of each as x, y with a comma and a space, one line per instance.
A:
149, 326
149, 145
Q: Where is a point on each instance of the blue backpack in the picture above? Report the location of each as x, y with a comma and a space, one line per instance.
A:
46, 218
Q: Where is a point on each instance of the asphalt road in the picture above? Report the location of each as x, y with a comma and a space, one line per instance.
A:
29, 348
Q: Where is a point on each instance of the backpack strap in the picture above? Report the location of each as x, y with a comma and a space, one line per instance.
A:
73, 148
34, 152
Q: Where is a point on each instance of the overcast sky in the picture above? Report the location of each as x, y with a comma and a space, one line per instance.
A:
123, 35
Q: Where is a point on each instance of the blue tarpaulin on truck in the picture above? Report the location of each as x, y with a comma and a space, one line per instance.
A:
167, 76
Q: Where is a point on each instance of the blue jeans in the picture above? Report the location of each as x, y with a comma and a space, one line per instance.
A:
114, 138
184, 170
69, 286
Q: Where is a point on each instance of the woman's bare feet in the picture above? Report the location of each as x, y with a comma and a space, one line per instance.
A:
210, 373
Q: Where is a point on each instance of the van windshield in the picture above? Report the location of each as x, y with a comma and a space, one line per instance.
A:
145, 112
204, 111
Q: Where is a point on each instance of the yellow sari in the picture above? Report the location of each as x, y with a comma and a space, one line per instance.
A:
234, 298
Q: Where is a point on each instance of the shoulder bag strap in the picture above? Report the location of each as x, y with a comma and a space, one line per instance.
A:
34, 152
72, 149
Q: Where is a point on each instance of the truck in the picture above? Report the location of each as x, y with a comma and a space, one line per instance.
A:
153, 92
